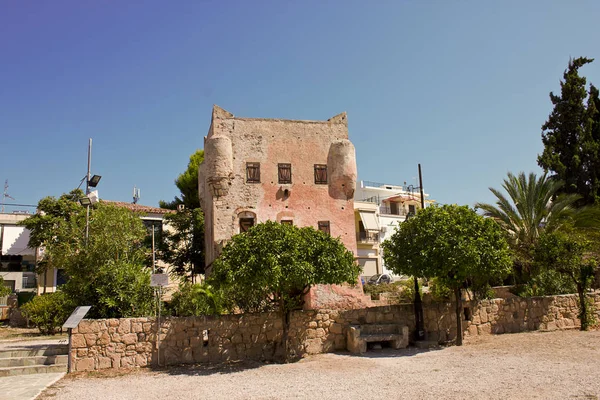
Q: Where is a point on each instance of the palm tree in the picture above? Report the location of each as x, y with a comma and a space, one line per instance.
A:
534, 207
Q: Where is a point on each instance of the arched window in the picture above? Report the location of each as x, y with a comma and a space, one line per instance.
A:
247, 219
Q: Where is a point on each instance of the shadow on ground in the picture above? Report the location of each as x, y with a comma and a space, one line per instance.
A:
209, 369
240, 366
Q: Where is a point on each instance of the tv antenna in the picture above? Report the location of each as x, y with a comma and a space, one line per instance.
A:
5, 195
136, 195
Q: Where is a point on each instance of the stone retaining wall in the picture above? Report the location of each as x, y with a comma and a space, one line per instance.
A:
131, 342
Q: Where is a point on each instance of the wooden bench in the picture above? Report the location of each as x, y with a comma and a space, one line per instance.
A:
359, 335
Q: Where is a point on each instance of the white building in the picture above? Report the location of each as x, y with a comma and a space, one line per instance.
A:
17, 259
378, 209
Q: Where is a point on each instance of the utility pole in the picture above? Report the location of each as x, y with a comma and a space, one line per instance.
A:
419, 318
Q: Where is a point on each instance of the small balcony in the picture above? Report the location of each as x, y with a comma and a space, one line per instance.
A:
367, 237
386, 209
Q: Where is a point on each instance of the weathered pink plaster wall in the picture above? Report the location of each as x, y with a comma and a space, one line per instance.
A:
232, 142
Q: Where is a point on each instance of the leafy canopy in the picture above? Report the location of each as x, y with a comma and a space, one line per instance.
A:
4, 290
571, 136
532, 206
451, 243
273, 265
183, 245
106, 271
187, 183
571, 254
183, 242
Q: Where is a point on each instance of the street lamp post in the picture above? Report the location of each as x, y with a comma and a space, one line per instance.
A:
90, 182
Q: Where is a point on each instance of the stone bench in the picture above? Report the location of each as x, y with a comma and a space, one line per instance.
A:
359, 335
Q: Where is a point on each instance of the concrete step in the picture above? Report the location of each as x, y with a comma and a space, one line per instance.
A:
32, 369
34, 351
36, 360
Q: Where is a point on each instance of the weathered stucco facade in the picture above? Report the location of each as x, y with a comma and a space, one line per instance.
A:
254, 170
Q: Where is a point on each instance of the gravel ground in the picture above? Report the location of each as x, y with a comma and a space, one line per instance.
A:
557, 365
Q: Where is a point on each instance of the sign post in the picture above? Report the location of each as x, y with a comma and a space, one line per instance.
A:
158, 281
72, 322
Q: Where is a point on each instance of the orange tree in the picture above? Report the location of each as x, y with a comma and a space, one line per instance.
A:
272, 266
453, 244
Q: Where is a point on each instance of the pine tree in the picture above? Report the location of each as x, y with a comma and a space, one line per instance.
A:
571, 137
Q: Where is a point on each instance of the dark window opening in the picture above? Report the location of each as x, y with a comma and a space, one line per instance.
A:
394, 208
284, 173
61, 277
246, 224
287, 222
324, 227
467, 312
412, 209
253, 172
321, 174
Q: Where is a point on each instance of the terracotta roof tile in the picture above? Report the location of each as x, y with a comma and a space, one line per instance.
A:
139, 207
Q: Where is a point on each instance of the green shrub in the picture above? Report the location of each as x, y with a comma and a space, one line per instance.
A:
439, 291
197, 299
4, 290
545, 283
48, 311
404, 291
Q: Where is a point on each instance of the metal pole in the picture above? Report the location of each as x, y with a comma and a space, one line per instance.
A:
421, 188
419, 317
69, 357
153, 257
159, 290
87, 191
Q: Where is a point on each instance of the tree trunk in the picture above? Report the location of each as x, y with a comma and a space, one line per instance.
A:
285, 319
419, 322
582, 308
459, 331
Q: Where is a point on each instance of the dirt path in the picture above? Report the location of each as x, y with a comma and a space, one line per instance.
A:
558, 365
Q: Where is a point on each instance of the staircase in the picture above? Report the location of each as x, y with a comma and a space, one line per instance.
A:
25, 359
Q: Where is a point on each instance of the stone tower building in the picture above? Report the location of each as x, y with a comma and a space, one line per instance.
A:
256, 169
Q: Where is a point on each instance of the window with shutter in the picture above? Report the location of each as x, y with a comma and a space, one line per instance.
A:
321, 174
324, 227
253, 172
285, 173
245, 224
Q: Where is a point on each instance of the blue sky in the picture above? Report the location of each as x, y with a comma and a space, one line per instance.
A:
458, 86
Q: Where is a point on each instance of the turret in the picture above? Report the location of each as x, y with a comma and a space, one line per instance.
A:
341, 161
218, 155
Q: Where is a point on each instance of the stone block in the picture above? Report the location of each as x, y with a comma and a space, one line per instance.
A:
320, 332
313, 346
484, 329
137, 327
336, 329
90, 339
473, 330
84, 364
124, 326
312, 324
141, 360
104, 339
128, 362
78, 340
82, 352
104, 363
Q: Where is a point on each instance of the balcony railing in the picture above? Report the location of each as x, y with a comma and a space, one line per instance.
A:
386, 209
367, 237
